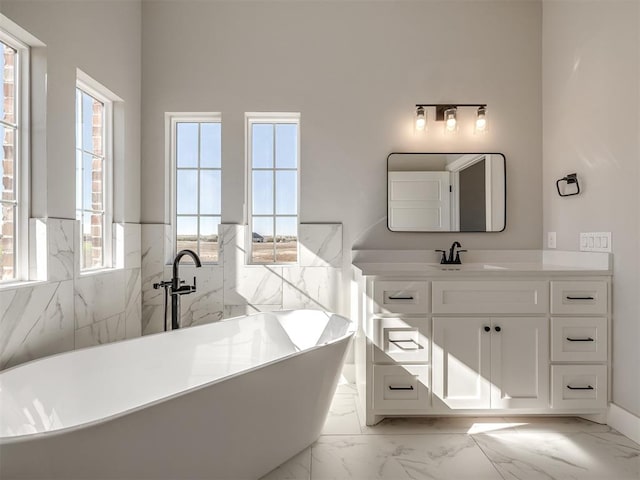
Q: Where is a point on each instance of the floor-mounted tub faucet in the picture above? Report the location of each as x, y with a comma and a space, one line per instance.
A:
452, 251
176, 288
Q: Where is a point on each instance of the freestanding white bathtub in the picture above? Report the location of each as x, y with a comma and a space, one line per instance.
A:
228, 400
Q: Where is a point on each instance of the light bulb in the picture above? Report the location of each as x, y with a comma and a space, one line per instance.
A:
421, 118
481, 121
451, 124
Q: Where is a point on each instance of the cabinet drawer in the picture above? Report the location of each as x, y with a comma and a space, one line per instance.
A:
400, 387
579, 339
401, 297
401, 340
578, 386
577, 297
490, 297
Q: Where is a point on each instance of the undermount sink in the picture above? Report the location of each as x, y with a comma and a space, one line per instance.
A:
470, 266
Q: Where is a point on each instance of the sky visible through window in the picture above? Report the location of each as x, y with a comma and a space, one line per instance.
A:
198, 187
210, 181
274, 192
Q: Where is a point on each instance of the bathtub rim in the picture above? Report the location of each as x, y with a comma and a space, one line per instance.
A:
4, 440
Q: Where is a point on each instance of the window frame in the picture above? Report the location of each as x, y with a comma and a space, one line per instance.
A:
22, 161
94, 89
253, 118
172, 119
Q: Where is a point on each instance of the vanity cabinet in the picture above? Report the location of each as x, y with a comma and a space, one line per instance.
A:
506, 341
483, 362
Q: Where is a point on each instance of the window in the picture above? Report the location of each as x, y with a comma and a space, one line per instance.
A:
14, 196
93, 176
273, 151
196, 157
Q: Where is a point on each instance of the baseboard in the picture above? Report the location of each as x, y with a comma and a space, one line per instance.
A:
625, 422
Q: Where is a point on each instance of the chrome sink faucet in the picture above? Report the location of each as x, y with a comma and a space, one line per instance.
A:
451, 260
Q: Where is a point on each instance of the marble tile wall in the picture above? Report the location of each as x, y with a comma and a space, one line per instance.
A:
64, 310
233, 287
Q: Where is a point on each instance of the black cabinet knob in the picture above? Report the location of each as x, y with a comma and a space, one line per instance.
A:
498, 329
487, 329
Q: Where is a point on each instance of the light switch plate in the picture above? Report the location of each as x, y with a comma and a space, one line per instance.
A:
595, 241
551, 239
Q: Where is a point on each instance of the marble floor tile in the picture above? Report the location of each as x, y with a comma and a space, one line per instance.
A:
343, 416
296, 468
346, 389
397, 457
562, 456
414, 425
557, 424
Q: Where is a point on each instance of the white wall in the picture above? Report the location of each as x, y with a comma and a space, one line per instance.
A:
591, 118
102, 38
355, 71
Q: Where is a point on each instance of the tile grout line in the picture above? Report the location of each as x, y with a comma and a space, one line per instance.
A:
487, 457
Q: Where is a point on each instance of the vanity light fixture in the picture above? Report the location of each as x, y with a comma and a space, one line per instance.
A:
451, 121
421, 118
481, 121
448, 113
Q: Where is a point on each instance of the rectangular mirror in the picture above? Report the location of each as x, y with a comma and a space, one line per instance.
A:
446, 192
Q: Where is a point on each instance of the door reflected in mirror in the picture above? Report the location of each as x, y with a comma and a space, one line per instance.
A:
446, 192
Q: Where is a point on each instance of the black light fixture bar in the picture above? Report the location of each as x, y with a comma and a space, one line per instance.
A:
441, 107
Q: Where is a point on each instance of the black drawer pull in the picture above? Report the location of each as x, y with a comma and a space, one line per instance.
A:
400, 297
588, 339
410, 387
580, 298
580, 388
412, 344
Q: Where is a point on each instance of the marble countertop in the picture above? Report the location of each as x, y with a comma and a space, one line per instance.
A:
483, 263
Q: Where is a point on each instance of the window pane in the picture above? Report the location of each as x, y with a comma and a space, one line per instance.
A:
187, 233
187, 191
7, 242
92, 124
97, 184
79, 180
210, 192
210, 145
209, 239
92, 239
286, 239
286, 145
8, 91
8, 162
262, 192
262, 145
187, 145
286, 192
87, 165
262, 240
78, 118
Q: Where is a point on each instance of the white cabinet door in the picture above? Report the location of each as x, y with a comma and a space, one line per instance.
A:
419, 201
461, 362
520, 363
